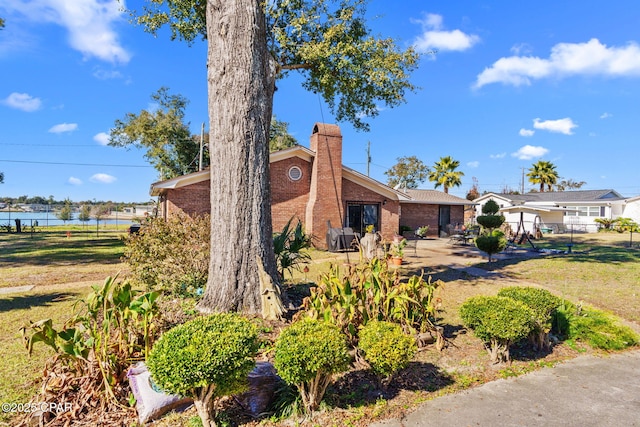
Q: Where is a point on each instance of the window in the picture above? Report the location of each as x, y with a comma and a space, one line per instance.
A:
360, 215
585, 211
295, 173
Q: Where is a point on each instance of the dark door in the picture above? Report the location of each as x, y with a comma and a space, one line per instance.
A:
444, 218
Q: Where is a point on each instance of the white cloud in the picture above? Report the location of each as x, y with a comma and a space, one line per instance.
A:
22, 101
529, 152
566, 59
101, 138
473, 164
498, 156
606, 115
101, 74
89, 24
103, 178
64, 127
564, 126
526, 132
434, 37
74, 181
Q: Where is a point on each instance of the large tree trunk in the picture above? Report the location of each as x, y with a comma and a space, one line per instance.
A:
241, 82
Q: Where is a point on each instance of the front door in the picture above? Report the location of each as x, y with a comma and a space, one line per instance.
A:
361, 215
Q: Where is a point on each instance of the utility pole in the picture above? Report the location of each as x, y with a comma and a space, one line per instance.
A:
368, 156
522, 184
201, 147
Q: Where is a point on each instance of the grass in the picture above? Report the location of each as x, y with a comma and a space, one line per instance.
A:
51, 258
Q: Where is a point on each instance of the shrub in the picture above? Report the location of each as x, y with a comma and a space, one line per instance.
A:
171, 255
491, 243
498, 322
386, 348
543, 304
290, 247
593, 327
307, 354
491, 240
205, 358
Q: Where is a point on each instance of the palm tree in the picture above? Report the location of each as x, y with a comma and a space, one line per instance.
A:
544, 173
444, 173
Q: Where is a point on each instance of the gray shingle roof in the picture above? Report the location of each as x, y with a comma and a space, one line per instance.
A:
565, 196
436, 197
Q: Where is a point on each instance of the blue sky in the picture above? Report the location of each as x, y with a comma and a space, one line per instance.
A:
510, 84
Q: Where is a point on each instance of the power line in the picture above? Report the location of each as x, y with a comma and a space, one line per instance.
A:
74, 164
52, 145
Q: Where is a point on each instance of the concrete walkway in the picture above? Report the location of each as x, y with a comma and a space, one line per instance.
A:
586, 391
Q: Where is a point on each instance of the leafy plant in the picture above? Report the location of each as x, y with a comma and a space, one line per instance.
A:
387, 348
627, 224
307, 354
606, 224
290, 247
205, 358
422, 231
171, 255
543, 304
397, 248
498, 322
372, 292
110, 328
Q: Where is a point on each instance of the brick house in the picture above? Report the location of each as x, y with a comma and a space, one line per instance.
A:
313, 185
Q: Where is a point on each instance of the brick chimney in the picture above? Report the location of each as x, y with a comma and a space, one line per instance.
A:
325, 194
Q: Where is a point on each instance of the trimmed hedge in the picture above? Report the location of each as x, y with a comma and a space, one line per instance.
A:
307, 354
498, 322
386, 347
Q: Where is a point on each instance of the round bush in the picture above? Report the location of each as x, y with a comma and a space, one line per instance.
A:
497, 318
542, 302
308, 348
386, 347
218, 349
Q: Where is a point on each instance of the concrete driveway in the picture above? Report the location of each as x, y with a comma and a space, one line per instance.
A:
586, 391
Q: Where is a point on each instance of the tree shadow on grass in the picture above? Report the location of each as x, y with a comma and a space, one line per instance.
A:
361, 387
24, 302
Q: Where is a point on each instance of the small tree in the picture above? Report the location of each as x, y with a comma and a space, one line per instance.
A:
408, 172
491, 240
386, 348
85, 213
65, 214
498, 322
205, 358
307, 354
543, 304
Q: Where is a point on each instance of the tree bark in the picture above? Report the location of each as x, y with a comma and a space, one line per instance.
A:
241, 83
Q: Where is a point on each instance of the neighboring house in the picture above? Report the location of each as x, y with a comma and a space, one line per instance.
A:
558, 211
632, 209
313, 185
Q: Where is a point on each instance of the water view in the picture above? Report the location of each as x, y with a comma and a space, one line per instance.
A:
46, 219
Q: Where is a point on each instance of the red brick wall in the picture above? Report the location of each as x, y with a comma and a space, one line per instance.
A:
192, 199
325, 191
289, 198
416, 215
389, 211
